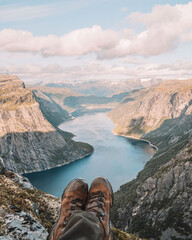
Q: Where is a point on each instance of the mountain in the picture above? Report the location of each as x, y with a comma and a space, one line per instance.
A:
79, 98
60, 104
157, 204
56, 95
52, 111
104, 88
92, 100
28, 141
146, 110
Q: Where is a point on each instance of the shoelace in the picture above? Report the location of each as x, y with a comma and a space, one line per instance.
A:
97, 200
76, 204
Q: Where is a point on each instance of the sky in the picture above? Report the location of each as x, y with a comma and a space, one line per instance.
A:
82, 40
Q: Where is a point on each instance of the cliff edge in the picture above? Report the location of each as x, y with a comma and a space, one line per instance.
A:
28, 142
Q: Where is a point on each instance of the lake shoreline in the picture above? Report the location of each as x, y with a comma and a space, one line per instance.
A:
60, 165
137, 139
117, 158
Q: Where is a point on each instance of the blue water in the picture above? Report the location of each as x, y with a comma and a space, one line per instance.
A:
115, 157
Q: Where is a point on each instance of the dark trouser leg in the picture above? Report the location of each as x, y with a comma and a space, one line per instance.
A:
83, 225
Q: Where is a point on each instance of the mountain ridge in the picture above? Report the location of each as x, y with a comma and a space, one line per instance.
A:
148, 108
144, 206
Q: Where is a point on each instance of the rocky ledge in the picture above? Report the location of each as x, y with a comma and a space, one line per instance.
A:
27, 213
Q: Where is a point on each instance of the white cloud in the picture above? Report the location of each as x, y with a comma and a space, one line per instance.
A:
97, 71
78, 42
166, 27
132, 60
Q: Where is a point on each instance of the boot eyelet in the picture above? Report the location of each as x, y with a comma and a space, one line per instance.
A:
99, 205
73, 201
101, 199
72, 208
101, 194
102, 214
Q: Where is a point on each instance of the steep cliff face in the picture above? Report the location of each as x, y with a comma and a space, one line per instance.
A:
157, 204
53, 112
147, 109
56, 95
28, 142
161, 208
164, 200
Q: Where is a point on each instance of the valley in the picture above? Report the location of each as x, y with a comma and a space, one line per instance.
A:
40, 132
72, 104
101, 91
115, 157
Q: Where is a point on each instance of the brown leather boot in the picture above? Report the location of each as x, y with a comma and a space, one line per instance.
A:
100, 200
74, 198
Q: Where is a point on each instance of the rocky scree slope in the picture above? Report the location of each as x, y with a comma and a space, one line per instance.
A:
28, 142
157, 204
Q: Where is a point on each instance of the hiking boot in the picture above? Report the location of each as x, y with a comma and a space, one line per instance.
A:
100, 199
74, 198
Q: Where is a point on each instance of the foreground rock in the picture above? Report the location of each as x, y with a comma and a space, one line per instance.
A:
28, 142
2, 166
25, 212
23, 226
